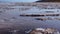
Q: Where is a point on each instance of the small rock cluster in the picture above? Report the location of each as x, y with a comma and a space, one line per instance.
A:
44, 31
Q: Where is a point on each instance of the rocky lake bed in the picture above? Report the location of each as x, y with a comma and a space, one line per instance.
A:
13, 19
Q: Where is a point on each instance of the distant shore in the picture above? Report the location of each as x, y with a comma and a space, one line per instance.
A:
31, 3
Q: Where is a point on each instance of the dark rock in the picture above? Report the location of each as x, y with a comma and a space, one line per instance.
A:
32, 15
48, 1
38, 15
39, 19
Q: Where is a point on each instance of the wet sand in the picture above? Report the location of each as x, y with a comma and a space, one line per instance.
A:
10, 19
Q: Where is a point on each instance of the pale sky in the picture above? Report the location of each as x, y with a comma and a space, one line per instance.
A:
19, 0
